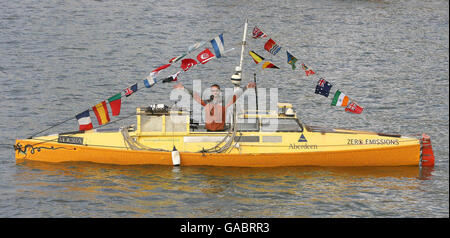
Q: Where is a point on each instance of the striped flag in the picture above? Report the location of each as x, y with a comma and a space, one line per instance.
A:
340, 99
217, 44
269, 65
84, 121
272, 47
101, 112
257, 33
257, 58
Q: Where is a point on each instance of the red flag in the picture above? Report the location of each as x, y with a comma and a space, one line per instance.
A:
272, 47
162, 67
187, 63
115, 103
354, 108
205, 56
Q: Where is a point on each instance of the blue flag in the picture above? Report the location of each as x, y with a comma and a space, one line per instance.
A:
323, 87
217, 44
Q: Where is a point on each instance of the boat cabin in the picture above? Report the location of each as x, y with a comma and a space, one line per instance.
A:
160, 120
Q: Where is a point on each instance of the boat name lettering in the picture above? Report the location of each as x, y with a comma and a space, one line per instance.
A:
70, 140
299, 147
372, 142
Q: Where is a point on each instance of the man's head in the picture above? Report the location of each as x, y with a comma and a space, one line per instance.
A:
215, 90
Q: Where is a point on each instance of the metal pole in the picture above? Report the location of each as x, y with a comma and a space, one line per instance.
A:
256, 92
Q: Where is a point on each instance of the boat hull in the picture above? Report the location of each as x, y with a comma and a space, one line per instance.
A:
402, 155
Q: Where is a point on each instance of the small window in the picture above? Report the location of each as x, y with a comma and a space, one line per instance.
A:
280, 125
151, 123
175, 123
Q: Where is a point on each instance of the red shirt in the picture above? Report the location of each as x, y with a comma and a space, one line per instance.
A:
215, 113
215, 117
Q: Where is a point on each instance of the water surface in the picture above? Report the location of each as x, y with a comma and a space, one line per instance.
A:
59, 58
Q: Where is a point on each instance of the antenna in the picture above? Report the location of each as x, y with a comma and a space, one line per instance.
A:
256, 92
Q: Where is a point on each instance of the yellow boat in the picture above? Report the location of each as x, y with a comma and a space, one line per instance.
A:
170, 137
254, 143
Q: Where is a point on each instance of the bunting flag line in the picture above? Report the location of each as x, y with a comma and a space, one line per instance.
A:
323, 87
217, 44
354, 108
130, 90
307, 70
115, 103
272, 47
267, 64
101, 112
205, 56
257, 58
187, 63
340, 99
171, 78
291, 60
257, 33
84, 121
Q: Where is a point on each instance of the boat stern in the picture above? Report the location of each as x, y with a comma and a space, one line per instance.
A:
426, 151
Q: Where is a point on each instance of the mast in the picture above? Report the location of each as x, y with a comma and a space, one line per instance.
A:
243, 43
237, 76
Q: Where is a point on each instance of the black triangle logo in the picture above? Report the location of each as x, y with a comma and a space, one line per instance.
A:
302, 138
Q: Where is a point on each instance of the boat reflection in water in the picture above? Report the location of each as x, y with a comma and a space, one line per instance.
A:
99, 190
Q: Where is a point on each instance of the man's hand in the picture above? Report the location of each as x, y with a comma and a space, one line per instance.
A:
178, 86
251, 85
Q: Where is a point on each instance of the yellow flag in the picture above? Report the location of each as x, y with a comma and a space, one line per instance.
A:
257, 58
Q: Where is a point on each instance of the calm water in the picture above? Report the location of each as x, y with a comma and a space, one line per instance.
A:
58, 58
